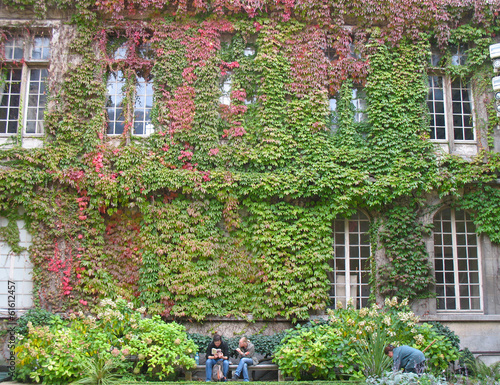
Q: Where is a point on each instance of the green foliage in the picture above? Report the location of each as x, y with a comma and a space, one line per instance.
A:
35, 317
98, 371
393, 378
484, 202
200, 340
98, 348
264, 344
10, 233
487, 374
226, 210
447, 333
408, 271
371, 354
330, 351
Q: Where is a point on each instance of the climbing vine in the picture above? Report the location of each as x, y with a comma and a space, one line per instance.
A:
226, 209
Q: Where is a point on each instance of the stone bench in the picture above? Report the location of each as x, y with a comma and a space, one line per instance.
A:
251, 370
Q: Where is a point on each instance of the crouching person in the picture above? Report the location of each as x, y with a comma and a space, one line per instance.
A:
217, 351
405, 357
246, 353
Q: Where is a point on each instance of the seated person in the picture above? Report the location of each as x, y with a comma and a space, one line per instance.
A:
217, 351
246, 353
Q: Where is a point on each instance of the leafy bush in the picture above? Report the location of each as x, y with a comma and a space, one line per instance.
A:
372, 356
264, 345
200, 340
98, 371
331, 351
486, 374
466, 362
446, 332
37, 317
399, 378
58, 354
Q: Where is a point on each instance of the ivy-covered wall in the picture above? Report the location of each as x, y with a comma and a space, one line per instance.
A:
227, 210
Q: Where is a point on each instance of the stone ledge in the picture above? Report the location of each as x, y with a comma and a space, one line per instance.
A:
443, 317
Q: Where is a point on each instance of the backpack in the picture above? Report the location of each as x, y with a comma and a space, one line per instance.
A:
217, 373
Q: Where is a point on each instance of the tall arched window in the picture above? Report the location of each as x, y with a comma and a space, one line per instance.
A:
351, 262
457, 262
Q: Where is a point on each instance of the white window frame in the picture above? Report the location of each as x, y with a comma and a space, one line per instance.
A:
352, 285
26, 64
142, 87
358, 101
454, 273
449, 115
143, 95
225, 88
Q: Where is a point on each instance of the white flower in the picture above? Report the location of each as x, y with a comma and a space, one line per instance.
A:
419, 339
107, 302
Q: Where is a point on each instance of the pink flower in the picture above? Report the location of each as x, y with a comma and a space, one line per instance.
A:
84, 303
213, 151
80, 236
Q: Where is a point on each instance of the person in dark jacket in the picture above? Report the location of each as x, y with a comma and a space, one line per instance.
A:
405, 357
217, 351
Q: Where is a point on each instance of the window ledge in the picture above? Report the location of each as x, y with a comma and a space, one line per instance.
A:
460, 317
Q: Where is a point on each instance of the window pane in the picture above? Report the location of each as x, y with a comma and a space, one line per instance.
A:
41, 48
114, 98
143, 106
435, 103
9, 102
14, 48
462, 110
352, 270
36, 101
457, 261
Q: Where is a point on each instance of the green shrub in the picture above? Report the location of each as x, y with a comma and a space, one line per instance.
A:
264, 345
331, 351
59, 353
486, 374
98, 371
37, 317
445, 331
200, 340
399, 378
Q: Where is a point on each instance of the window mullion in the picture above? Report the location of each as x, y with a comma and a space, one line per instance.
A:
455, 260
347, 261
23, 100
480, 272
448, 116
